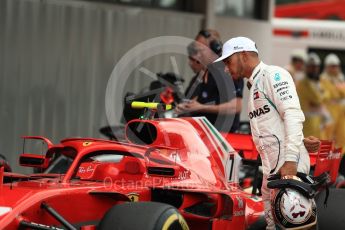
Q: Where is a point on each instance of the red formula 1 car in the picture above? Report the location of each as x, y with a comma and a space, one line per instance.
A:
174, 173
171, 171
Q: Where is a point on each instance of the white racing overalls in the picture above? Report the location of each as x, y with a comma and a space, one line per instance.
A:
276, 121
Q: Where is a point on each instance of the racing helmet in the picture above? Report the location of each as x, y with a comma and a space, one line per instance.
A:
291, 208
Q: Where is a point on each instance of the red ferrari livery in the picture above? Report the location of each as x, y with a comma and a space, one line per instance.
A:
184, 163
177, 173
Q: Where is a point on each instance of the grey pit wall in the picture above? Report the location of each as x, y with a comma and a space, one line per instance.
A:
57, 56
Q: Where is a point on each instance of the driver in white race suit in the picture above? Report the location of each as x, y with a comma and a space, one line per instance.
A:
275, 114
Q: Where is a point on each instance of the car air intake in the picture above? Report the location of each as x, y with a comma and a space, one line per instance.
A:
161, 171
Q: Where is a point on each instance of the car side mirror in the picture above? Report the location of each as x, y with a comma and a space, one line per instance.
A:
33, 160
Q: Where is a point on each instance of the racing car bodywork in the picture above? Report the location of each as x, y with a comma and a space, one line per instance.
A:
182, 162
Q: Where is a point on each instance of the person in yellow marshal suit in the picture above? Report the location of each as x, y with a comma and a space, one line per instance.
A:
332, 80
312, 97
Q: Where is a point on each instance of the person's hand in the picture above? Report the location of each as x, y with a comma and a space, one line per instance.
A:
312, 144
180, 108
289, 168
188, 107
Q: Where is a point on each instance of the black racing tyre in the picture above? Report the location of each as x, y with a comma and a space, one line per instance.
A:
143, 215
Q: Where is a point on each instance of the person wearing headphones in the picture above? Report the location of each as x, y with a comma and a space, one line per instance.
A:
209, 95
275, 114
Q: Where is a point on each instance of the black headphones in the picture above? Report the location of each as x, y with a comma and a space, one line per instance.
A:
215, 45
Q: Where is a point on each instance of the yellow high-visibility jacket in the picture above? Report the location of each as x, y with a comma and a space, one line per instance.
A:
336, 106
311, 97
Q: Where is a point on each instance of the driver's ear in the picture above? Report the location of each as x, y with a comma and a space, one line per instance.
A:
244, 56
